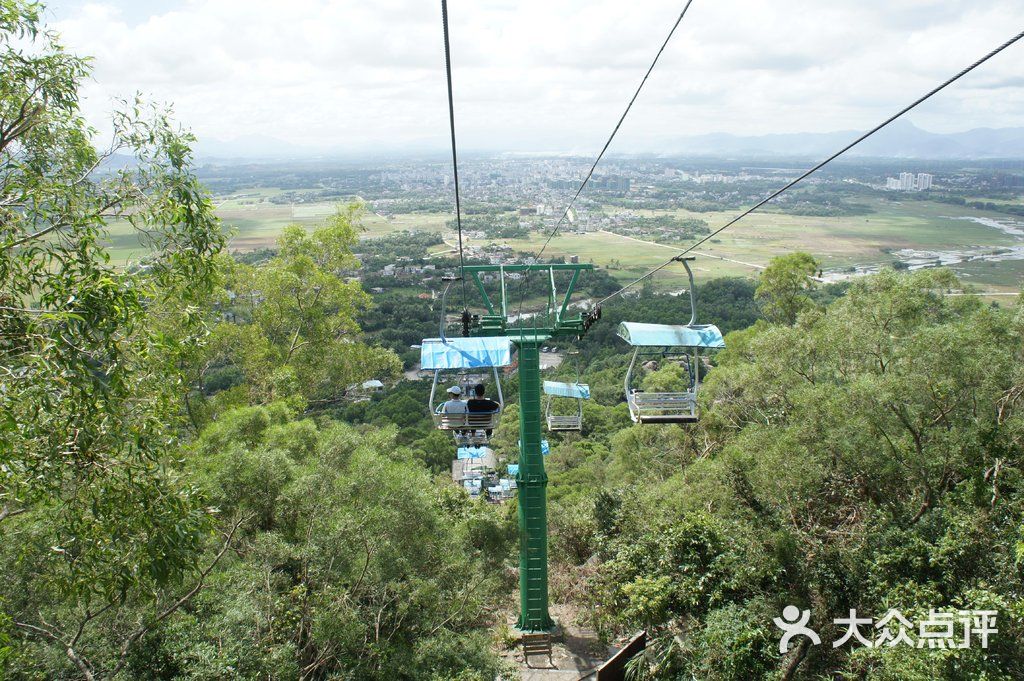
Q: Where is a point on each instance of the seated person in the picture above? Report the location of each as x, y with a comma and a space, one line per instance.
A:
454, 404
478, 404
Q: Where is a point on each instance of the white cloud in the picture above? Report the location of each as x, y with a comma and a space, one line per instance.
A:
546, 75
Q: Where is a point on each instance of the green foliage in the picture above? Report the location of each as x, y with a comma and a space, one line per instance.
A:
736, 643
782, 287
303, 340
866, 457
91, 355
364, 568
671, 377
687, 567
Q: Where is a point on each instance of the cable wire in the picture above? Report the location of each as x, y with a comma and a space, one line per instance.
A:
820, 165
611, 137
455, 159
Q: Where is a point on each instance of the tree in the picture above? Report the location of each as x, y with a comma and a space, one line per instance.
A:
868, 458
304, 339
359, 565
90, 349
781, 289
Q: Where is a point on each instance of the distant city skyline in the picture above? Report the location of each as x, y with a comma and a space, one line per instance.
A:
908, 182
346, 77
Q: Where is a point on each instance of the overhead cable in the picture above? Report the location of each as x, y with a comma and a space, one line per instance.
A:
820, 165
455, 159
615, 130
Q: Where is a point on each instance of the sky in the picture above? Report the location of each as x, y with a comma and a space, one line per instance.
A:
340, 76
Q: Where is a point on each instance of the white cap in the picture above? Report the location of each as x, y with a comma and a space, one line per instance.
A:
455, 390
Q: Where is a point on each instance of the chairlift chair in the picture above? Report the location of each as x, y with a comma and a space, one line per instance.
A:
682, 342
564, 422
446, 355
556, 391
461, 355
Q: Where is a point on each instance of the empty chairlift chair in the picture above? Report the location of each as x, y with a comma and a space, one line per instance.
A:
453, 355
555, 392
685, 344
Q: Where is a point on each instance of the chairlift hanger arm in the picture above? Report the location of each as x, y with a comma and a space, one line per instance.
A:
693, 296
483, 292
558, 303
551, 294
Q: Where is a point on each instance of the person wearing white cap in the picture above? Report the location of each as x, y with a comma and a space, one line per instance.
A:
454, 405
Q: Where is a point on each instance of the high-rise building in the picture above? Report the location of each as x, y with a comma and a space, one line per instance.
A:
924, 181
906, 181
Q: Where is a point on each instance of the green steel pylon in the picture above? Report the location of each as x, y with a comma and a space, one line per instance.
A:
531, 481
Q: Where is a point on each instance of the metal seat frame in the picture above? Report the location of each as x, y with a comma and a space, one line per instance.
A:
674, 407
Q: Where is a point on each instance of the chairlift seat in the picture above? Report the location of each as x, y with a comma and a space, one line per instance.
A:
567, 422
667, 340
462, 354
647, 407
576, 391
469, 428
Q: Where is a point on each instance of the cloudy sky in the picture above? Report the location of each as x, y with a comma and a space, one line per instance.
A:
545, 75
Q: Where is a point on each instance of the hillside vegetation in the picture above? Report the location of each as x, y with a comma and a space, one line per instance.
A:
192, 485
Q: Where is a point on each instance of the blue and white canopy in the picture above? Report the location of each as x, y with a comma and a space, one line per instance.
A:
471, 452
670, 336
465, 353
545, 448
513, 469
580, 391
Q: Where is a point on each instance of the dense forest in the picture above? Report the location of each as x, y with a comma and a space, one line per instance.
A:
188, 489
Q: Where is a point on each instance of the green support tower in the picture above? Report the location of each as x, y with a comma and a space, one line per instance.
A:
531, 481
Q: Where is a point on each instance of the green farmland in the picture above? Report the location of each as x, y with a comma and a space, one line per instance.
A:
839, 242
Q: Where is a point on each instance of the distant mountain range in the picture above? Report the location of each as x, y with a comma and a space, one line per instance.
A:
901, 139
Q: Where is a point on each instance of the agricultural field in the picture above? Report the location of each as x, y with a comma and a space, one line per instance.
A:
841, 243
255, 222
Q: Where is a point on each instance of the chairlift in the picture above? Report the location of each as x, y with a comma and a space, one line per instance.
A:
559, 392
462, 355
680, 343
446, 355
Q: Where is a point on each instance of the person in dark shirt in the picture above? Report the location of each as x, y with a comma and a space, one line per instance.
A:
478, 404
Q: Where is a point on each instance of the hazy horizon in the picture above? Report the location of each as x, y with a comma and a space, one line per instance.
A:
355, 78
798, 145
